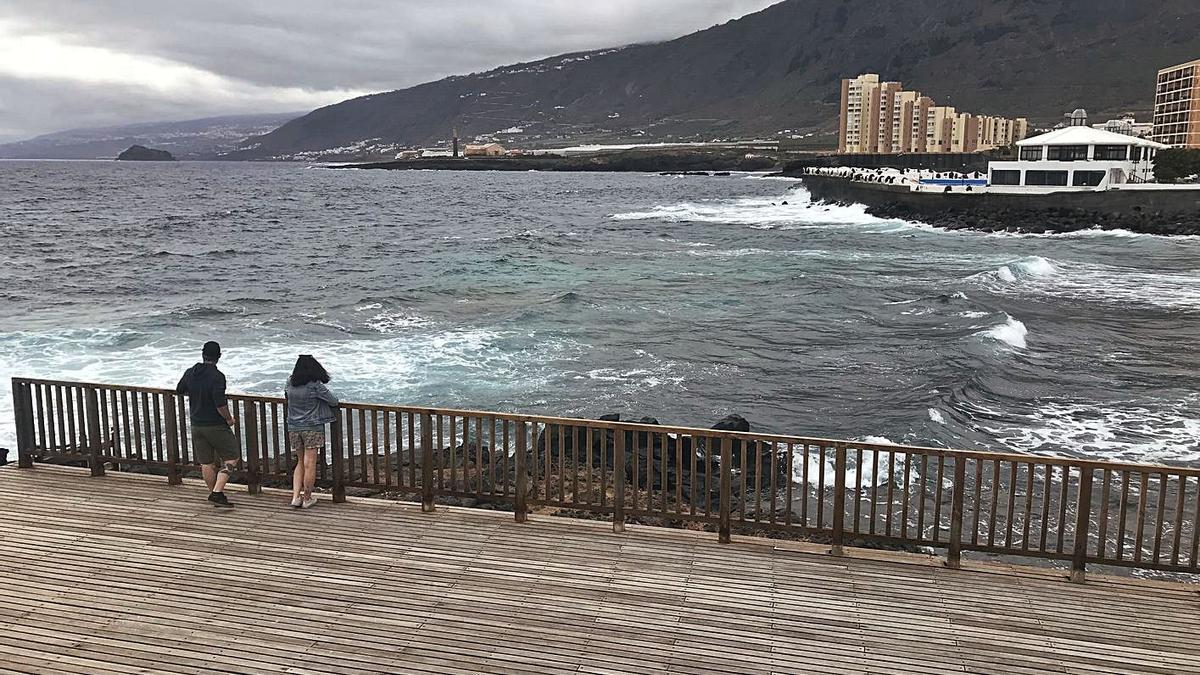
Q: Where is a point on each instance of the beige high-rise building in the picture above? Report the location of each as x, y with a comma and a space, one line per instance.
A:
1177, 106
939, 128
865, 102
857, 95
919, 125
901, 119
966, 133
882, 117
887, 103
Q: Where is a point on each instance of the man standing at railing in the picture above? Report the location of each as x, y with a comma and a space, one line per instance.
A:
214, 446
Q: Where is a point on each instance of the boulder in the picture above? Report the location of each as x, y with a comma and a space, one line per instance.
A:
750, 462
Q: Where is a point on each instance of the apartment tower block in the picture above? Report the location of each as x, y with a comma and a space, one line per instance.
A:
883, 118
1177, 106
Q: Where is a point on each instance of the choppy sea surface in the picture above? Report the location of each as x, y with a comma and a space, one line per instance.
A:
683, 298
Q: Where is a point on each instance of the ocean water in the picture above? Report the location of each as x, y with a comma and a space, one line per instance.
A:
683, 298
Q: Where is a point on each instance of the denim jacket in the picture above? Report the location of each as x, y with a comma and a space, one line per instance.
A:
310, 407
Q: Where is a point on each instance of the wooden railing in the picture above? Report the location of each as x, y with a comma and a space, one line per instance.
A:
843, 492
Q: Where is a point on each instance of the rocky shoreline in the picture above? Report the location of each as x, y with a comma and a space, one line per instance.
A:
673, 162
1160, 212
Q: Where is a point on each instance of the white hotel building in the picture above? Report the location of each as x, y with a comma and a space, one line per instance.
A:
1076, 158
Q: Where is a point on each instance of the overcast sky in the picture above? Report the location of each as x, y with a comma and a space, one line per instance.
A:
66, 64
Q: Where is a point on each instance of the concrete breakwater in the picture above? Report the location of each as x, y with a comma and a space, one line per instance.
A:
1165, 212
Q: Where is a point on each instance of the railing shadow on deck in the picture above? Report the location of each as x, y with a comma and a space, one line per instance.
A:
843, 492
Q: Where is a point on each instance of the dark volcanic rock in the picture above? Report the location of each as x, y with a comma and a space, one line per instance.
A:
752, 460
1164, 212
140, 153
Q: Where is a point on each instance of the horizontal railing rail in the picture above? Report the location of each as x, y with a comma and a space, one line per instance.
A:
843, 492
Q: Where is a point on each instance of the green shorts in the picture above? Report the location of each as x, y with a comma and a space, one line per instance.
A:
214, 444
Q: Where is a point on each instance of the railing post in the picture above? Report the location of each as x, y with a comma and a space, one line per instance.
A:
250, 433
427, 463
1083, 519
954, 550
520, 504
725, 508
839, 500
618, 480
92, 414
171, 426
335, 454
23, 412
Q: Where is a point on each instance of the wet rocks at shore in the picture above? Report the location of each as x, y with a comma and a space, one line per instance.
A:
1041, 221
1159, 211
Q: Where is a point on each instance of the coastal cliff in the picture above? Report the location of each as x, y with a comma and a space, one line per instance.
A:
1166, 212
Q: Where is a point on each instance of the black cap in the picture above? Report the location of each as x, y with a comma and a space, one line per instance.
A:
212, 351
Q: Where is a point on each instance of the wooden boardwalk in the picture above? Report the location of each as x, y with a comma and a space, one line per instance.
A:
124, 574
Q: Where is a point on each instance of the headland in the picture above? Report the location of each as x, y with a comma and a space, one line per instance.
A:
140, 153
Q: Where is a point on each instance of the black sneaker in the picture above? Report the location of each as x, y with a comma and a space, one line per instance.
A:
219, 499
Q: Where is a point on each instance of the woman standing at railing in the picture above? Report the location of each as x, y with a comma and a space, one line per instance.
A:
310, 407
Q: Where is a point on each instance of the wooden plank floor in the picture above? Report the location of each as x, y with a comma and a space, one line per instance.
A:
124, 574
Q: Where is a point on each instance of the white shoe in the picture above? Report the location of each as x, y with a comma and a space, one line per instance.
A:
297, 503
309, 503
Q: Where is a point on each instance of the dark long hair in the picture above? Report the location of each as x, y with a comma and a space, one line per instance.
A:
308, 370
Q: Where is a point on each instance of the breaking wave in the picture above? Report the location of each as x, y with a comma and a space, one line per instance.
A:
1012, 332
1090, 282
1116, 430
793, 210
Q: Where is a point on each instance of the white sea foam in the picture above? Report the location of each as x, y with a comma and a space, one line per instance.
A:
1092, 282
875, 440
866, 475
392, 368
649, 371
1130, 431
1092, 233
1026, 268
764, 213
741, 252
395, 322
1012, 332
937, 416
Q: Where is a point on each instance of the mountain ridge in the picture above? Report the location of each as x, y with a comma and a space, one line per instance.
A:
777, 72
200, 138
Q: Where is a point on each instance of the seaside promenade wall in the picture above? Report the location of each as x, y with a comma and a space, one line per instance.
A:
1147, 211
936, 161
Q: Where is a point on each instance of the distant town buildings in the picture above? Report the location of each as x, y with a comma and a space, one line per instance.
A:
881, 117
484, 150
1127, 125
425, 153
1177, 106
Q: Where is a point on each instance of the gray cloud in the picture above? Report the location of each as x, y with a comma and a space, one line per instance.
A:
164, 60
